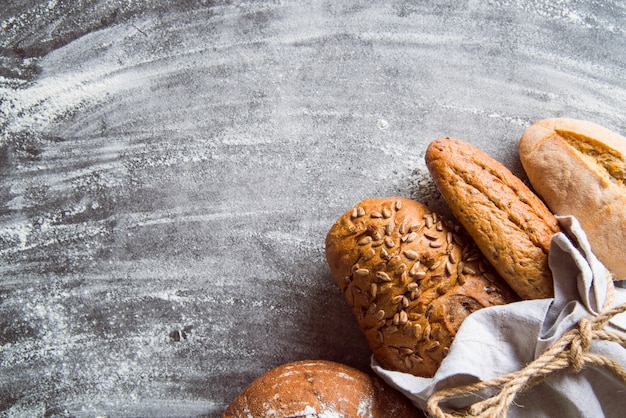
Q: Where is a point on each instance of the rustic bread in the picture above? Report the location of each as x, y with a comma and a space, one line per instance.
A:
319, 388
579, 169
410, 278
509, 223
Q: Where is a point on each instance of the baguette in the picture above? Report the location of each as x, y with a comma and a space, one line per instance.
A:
509, 223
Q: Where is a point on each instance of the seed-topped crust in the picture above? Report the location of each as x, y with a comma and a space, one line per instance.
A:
509, 223
411, 296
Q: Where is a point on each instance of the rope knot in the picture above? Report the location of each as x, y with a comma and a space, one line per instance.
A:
580, 344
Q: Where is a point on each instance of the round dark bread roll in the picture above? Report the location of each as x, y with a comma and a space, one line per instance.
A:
411, 278
319, 388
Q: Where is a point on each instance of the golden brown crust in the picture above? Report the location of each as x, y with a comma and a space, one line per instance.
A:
579, 169
317, 388
410, 278
509, 223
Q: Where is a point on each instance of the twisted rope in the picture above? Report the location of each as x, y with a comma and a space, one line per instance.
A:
570, 351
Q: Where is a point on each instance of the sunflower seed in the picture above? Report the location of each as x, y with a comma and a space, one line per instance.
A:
417, 331
381, 337
394, 261
426, 332
404, 278
384, 288
409, 237
389, 229
449, 269
397, 299
429, 312
376, 215
383, 253
435, 333
374, 290
403, 318
410, 254
391, 329
468, 270
398, 205
383, 276
458, 240
453, 257
415, 272
433, 346
389, 242
369, 254
435, 244
380, 315
365, 240
416, 359
490, 289
406, 351
403, 228
362, 272
386, 213
407, 362
431, 235
472, 257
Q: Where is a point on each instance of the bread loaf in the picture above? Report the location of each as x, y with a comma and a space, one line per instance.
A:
509, 223
410, 278
319, 388
579, 169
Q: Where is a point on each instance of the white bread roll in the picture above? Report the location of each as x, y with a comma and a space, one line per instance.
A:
579, 169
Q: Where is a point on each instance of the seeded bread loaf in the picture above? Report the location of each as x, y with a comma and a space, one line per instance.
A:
411, 278
579, 169
319, 388
509, 223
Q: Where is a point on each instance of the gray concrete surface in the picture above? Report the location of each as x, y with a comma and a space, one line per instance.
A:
169, 173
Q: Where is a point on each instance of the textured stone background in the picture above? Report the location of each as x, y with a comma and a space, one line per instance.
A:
169, 171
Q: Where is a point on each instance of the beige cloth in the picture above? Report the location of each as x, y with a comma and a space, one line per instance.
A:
504, 339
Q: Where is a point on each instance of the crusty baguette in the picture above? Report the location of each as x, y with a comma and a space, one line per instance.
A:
411, 278
319, 388
579, 169
509, 223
